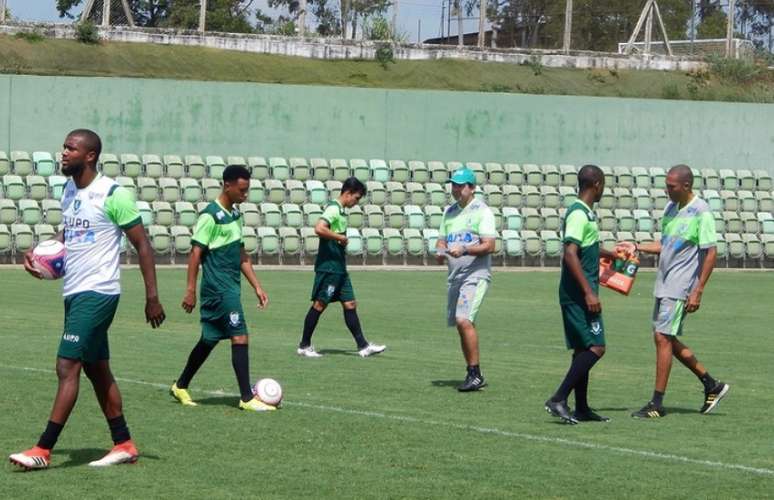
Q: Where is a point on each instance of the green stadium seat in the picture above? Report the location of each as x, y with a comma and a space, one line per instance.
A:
396, 193
551, 175
720, 222
512, 245
722, 247
495, 173
393, 241
128, 184
374, 216
552, 244
659, 198
453, 166
713, 199
433, 216
312, 213
181, 239
30, 212
550, 219
415, 218
607, 221
610, 181
625, 236
746, 179
152, 166
730, 200
5, 167
512, 219
292, 215
492, 194
269, 240
415, 243
728, 179
249, 240
110, 165
195, 167
753, 246
372, 241
766, 222
256, 194
37, 187
309, 240
170, 190
767, 240
623, 177
191, 189
201, 206
52, 211
641, 177
763, 181
514, 174
435, 194
394, 217
340, 169
750, 222
146, 213
531, 196
733, 222
625, 219
658, 178
279, 168
160, 239
736, 246
711, 179
56, 185
271, 215
131, 165
43, 232
765, 201
430, 235
173, 166
422, 173
643, 237
250, 214
215, 167
643, 220
355, 217
21, 162
512, 196
607, 240
23, 238
642, 199
532, 243
258, 167
399, 171
377, 194
498, 217
321, 171
623, 198
532, 174
163, 215
608, 198
237, 161
333, 187
300, 169
185, 213
360, 169
290, 241
698, 180
296, 191
550, 196
569, 176
149, 190
747, 201
275, 191
43, 163
14, 187
316, 192
478, 170
567, 196
531, 218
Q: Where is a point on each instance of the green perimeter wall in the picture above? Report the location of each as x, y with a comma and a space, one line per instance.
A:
185, 117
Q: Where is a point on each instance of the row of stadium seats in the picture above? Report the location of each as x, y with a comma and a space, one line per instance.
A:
155, 166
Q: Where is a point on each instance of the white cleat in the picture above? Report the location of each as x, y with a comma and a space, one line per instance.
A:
308, 352
371, 349
124, 453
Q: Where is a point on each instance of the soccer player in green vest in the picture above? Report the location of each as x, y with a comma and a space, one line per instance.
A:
218, 247
584, 331
331, 279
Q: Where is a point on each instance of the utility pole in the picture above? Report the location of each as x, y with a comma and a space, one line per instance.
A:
448, 20
693, 24
302, 18
106, 13
2, 11
730, 29
395, 19
460, 40
567, 27
419, 30
481, 21
443, 17
202, 15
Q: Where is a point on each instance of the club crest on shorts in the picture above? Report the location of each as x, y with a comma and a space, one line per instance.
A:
233, 318
596, 327
329, 291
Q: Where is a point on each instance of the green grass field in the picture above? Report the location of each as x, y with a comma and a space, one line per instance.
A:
393, 426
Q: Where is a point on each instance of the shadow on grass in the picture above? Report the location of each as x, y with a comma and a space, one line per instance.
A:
230, 401
446, 383
77, 457
339, 352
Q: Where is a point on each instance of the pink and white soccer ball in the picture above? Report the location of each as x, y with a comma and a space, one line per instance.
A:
269, 391
49, 258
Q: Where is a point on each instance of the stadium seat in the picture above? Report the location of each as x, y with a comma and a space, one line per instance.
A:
607, 240
360, 170
728, 179
415, 243
43, 232
512, 196
532, 243
185, 213
531, 218
415, 218
163, 215
766, 222
146, 213
43, 163
643, 237
641, 177
393, 241
623, 177
533, 176
396, 193
433, 216
435, 194
422, 173
374, 216
722, 247
608, 199
643, 221
569, 175
625, 219
30, 212
399, 171
236, 161
128, 184
658, 178
512, 219
340, 169
23, 238
300, 169
292, 215
746, 179
767, 240
610, 182
567, 196
642, 199
394, 217
109, 165
5, 167
21, 163
290, 241
195, 167
552, 245
269, 240
37, 187
258, 167
149, 190
453, 166
478, 171
713, 199
256, 194
250, 240
380, 172
550, 196
625, 236
52, 212
492, 194
296, 192
181, 239
271, 215
765, 201
333, 188
551, 175
355, 217
763, 181
321, 171
173, 166
160, 239
623, 198
531, 196
131, 165
514, 175
749, 222
201, 206
372, 241
215, 167
14, 187
430, 236
753, 246
659, 198
170, 190
316, 192
309, 240
607, 220
733, 222
720, 222
377, 194
279, 169
730, 200
747, 201
312, 213
711, 179
550, 219
250, 214
153, 166
495, 173
275, 191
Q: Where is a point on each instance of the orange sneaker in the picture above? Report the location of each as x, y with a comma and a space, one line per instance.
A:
34, 458
124, 453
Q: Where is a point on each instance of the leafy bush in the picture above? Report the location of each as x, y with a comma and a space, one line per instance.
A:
86, 32
733, 70
31, 36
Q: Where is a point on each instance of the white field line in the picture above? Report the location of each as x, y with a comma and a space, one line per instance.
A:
665, 457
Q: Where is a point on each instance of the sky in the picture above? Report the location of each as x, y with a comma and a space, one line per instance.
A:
411, 14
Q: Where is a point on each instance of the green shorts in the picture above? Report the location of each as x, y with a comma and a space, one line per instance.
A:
332, 287
88, 316
582, 329
221, 319
668, 316
464, 298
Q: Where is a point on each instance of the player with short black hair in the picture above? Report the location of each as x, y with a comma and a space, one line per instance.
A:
219, 248
331, 279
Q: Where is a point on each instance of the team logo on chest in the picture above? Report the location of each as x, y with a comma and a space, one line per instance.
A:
77, 205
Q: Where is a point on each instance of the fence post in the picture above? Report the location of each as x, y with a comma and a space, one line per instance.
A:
202, 15
730, 29
567, 27
2, 11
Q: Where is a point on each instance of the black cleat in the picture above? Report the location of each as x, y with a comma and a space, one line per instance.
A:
472, 383
560, 410
713, 397
650, 410
589, 416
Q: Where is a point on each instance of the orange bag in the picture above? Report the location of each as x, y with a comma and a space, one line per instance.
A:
618, 275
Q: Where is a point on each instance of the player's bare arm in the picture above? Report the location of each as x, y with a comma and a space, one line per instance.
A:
440, 250
323, 230
573, 264
189, 299
154, 312
708, 265
249, 273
